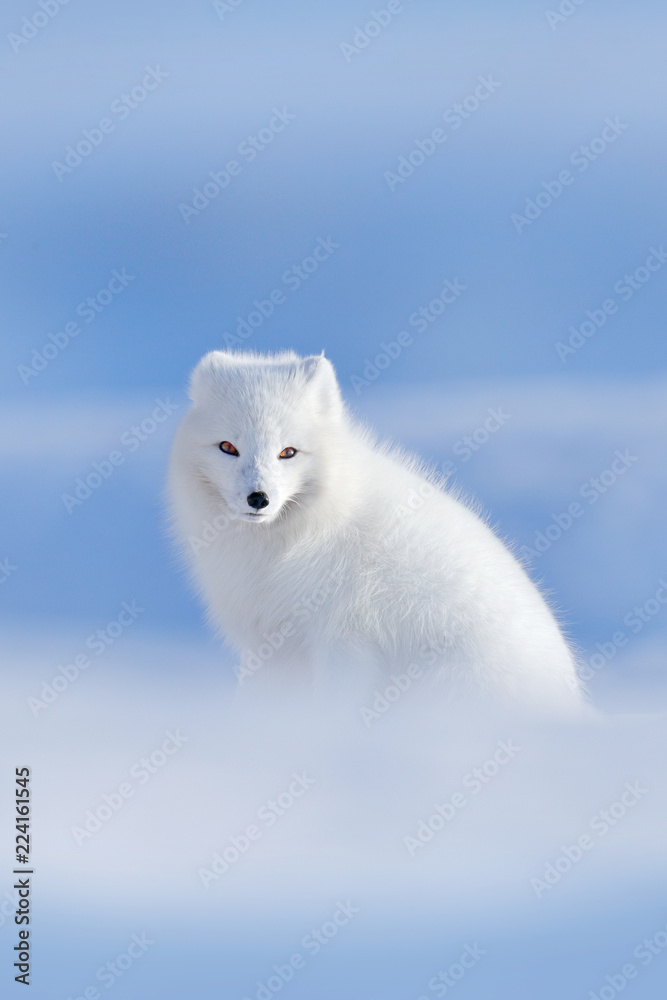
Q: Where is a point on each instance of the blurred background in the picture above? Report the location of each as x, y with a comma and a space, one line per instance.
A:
483, 182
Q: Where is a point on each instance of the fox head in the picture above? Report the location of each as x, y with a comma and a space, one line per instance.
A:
257, 432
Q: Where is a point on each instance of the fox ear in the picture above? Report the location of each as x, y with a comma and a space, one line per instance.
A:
208, 372
321, 376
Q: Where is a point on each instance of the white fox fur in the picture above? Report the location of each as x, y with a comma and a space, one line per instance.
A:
362, 563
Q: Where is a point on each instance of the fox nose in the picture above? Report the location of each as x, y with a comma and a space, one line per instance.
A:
258, 500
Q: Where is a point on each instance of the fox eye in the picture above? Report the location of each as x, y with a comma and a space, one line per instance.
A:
287, 453
228, 448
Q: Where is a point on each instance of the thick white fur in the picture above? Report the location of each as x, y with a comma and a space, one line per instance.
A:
362, 563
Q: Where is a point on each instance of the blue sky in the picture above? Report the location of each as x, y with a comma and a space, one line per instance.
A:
323, 175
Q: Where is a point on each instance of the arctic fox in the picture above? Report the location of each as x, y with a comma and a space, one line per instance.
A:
323, 555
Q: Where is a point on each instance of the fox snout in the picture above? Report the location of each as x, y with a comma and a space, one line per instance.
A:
258, 500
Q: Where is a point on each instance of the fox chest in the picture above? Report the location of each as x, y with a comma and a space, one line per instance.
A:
284, 602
